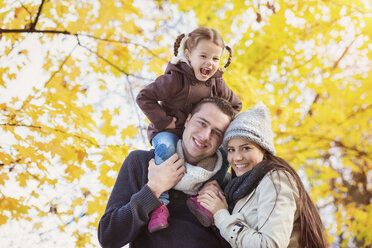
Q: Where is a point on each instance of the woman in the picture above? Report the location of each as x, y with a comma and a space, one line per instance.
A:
265, 204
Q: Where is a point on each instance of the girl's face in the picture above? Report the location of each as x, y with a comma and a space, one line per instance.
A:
243, 155
204, 59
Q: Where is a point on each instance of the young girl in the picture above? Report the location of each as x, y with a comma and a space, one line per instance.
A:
191, 75
265, 204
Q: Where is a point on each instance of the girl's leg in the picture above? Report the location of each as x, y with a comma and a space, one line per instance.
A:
165, 144
164, 197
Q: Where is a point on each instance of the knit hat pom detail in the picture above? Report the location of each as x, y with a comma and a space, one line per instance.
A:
261, 109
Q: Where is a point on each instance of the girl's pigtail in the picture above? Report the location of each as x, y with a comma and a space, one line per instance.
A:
230, 56
177, 44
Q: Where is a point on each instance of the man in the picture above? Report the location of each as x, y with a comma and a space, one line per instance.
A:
140, 183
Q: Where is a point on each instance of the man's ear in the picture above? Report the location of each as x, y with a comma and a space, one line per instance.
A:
187, 120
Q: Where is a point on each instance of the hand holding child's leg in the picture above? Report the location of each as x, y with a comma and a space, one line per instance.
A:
162, 178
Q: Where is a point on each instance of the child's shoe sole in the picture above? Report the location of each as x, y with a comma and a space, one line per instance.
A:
203, 218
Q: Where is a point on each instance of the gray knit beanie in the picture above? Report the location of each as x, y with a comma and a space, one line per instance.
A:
253, 124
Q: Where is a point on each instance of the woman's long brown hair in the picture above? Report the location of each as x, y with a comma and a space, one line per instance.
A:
312, 231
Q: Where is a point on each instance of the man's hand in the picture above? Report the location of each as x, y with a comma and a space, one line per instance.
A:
164, 176
172, 125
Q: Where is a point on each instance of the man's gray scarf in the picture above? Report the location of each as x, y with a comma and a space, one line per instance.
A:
196, 175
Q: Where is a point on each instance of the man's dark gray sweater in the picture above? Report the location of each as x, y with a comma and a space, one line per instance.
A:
127, 213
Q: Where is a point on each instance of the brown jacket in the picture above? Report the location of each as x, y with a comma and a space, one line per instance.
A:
175, 93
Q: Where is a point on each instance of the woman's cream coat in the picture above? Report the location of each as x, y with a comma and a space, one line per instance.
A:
268, 217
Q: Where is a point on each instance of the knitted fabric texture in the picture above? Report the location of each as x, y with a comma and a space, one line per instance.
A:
181, 57
196, 175
243, 185
253, 124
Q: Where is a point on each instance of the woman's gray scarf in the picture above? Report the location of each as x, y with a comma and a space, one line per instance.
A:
243, 185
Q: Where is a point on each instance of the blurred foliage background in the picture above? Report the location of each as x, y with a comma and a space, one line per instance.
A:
70, 70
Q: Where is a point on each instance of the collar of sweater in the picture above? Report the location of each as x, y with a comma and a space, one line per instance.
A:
196, 175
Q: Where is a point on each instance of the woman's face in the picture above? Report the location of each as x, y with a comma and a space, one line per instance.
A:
243, 155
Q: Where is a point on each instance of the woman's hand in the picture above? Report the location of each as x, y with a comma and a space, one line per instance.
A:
211, 186
212, 200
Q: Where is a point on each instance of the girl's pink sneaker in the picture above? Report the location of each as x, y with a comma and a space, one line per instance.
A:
201, 213
159, 219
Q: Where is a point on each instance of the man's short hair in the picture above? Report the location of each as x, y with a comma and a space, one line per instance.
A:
222, 104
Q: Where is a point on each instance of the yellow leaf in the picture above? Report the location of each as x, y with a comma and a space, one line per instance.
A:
3, 219
22, 179
3, 178
129, 132
107, 128
90, 165
73, 172
38, 225
81, 154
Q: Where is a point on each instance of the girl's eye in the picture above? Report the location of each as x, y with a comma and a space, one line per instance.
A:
202, 56
230, 150
216, 59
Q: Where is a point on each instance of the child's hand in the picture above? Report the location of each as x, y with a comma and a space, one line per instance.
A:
172, 125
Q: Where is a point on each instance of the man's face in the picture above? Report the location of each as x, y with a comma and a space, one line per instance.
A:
203, 133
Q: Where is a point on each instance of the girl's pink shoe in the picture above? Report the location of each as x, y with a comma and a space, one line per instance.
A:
201, 213
159, 219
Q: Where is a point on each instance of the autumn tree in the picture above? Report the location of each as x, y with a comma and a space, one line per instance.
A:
67, 124
311, 61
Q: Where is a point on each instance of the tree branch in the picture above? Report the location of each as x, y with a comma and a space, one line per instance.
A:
57, 130
33, 25
32, 29
65, 32
28, 172
338, 144
360, 110
29, 30
360, 153
343, 54
24, 7
143, 137
123, 41
61, 131
345, 4
113, 65
28, 99
310, 111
